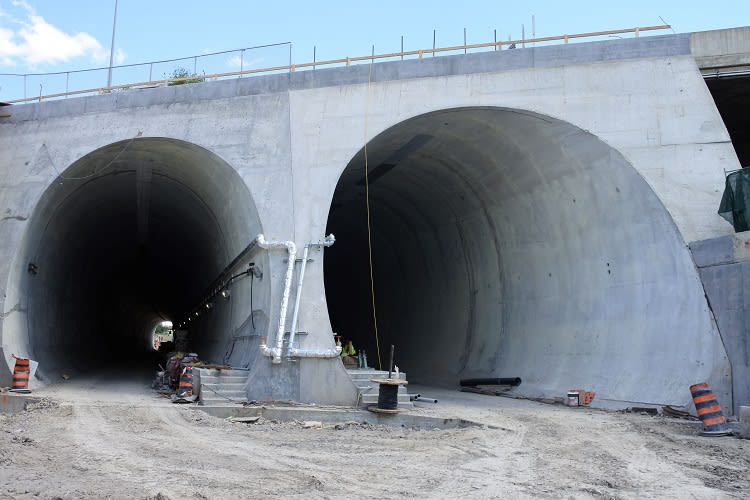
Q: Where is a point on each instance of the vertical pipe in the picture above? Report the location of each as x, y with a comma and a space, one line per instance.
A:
314, 56
523, 36
298, 296
327, 242
402, 47
495, 46
150, 71
533, 28
112, 48
464, 40
434, 37
290, 57
275, 353
372, 57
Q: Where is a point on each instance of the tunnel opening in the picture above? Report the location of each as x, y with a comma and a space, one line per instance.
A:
510, 244
162, 334
732, 99
126, 238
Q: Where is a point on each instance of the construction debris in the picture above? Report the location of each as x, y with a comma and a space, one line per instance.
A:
421, 399
579, 397
644, 410
177, 378
674, 412
243, 420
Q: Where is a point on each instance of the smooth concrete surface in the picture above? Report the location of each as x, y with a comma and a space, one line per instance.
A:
713, 251
745, 422
509, 244
724, 266
532, 222
130, 235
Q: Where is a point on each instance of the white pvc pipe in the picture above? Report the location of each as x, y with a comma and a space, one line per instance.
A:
327, 242
275, 352
315, 353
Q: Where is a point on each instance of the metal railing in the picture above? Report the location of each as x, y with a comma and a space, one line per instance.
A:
291, 67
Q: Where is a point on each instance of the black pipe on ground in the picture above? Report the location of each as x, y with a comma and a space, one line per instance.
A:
472, 382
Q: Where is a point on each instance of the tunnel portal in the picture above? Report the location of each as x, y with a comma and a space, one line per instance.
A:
507, 243
129, 236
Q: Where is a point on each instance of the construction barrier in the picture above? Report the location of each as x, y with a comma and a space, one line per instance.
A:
185, 387
709, 411
21, 374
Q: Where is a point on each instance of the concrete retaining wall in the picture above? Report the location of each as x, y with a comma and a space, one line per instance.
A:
724, 265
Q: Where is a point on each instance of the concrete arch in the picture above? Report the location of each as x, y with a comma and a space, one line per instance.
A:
129, 235
507, 243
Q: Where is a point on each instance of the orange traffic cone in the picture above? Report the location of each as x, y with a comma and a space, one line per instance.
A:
21, 374
709, 411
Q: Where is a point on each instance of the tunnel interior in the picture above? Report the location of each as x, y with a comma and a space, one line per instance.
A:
128, 236
504, 243
732, 98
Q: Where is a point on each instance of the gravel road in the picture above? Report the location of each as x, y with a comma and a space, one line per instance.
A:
113, 438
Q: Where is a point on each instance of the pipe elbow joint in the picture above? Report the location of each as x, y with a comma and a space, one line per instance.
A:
272, 353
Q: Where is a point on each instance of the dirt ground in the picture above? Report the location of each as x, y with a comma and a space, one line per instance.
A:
108, 438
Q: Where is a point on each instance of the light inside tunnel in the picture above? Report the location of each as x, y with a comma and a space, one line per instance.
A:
127, 237
505, 243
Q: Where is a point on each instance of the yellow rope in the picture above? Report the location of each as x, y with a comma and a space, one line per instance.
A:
369, 228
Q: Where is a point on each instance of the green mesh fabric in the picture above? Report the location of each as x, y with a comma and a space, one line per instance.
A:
736, 200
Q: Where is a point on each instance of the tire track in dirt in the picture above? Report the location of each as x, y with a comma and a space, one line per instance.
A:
146, 447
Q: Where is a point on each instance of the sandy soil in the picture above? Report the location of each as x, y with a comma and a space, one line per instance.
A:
106, 438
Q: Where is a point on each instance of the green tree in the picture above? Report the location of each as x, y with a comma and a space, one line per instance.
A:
162, 329
181, 76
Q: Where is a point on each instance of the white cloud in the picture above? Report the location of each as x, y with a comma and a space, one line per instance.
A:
28, 39
234, 62
120, 56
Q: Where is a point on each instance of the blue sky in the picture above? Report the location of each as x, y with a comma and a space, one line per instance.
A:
62, 35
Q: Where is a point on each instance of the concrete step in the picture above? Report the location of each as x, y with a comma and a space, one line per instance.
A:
218, 393
222, 373
370, 373
220, 401
403, 399
224, 387
375, 388
213, 379
362, 378
221, 386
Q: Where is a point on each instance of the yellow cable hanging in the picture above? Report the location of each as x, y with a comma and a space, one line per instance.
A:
369, 228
